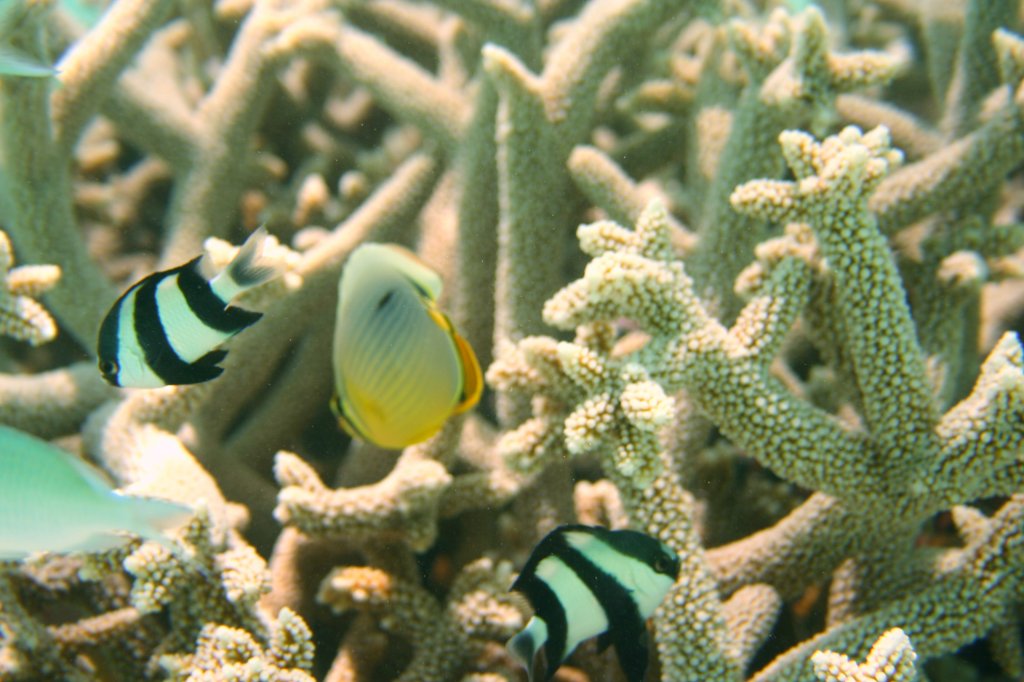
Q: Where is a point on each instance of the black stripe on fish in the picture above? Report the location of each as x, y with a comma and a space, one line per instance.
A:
637, 546
548, 608
619, 600
206, 305
108, 342
626, 626
160, 355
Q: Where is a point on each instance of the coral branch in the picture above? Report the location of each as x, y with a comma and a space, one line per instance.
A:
54, 403
89, 69
402, 507
952, 610
833, 181
37, 198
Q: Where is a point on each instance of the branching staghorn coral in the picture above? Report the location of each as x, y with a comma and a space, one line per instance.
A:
792, 79
633, 275
21, 317
230, 653
789, 369
479, 609
891, 659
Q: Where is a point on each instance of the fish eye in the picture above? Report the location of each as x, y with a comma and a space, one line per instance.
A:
108, 367
663, 564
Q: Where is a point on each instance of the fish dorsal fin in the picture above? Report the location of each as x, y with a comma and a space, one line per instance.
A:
412, 267
95, 478
152, 516
160, 513
472, 377
18, 441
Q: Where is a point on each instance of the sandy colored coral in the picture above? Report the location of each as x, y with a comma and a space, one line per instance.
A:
743, 274
891, 659
225, 653
21, 317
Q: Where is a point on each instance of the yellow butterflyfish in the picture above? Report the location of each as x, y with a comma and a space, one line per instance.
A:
400, 368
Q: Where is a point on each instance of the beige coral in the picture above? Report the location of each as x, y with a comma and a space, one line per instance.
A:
478, 609
21, 317
227, 653
891, 659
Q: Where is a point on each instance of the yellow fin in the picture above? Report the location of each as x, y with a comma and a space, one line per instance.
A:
472, 377
439, 318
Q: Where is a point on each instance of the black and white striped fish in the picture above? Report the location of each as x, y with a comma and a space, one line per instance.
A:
166, 328
584, 581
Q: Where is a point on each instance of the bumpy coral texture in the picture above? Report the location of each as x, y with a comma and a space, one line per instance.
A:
744, 275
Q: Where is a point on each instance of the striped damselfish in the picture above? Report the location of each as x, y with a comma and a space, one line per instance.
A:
51, 501
166, 328
400, 368
584, 581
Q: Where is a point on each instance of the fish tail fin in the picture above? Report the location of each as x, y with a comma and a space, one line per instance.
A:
154, 516
250, 267
527, 646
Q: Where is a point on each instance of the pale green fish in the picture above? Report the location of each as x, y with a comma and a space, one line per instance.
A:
15, 63
400, 368
51, 501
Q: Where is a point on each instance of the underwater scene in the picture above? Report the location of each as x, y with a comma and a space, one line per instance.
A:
511, 340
